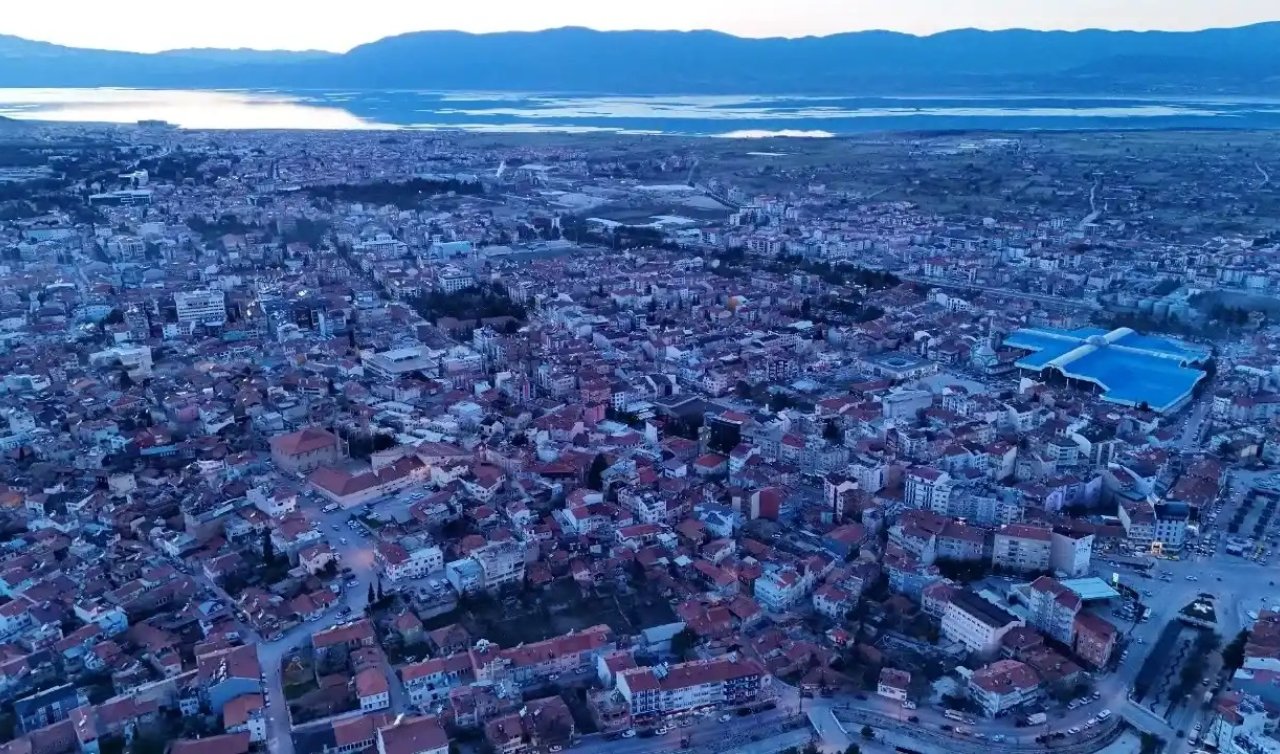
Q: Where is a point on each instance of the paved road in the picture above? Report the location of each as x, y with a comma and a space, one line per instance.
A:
1058, 301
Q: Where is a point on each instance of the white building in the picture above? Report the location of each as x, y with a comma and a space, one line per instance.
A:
976, 623
399, 562
1019, 547
779, 589
1069, 554
927, 489
501, 563
201, 307
1003, 685
701, 684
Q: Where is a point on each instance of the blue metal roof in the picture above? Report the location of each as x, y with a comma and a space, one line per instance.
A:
1130, 368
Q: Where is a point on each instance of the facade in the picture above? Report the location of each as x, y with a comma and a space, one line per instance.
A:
1003, 685
1023, 548
201, 307
665, 690
976, 623
893, 684
1053, 608
305, 450
1070, 554
1095, 639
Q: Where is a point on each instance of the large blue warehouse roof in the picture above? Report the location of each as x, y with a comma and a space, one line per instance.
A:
1130, 368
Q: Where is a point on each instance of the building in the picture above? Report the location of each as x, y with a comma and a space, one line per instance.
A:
927, 489
1244, 724
392, 365
372, 689
500, 563
1128, 368
1070, 554
305, 450
413, 735
398, 562
1053, 608
225, 674
976, 623
1018, 547
1003, 685
652, 692
779, 589
894, 684
246, 714
201, 307
1159, 527
428, 682
1095, 639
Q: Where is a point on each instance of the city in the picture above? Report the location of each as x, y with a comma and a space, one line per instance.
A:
423, 442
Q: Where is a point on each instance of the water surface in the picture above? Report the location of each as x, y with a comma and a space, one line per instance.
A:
737, 116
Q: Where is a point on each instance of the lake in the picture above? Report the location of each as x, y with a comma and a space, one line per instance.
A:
725, 116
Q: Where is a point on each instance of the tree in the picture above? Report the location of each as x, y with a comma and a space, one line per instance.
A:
683, 642
1233, 653
831, 432
268, 548
853, 749
126, 381
373, 596
595, 476
381, 595
868, 732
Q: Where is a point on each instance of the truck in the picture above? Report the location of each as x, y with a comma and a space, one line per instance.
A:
1037, 718
951, 714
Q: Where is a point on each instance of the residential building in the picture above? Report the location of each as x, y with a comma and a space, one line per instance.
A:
976, 623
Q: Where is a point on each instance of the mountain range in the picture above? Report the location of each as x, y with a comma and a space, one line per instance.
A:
1242, 60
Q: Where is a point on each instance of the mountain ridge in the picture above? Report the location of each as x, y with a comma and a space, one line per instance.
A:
1232, 60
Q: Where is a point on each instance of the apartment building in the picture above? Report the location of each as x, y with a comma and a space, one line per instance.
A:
976, 623
1019, 547
1052, 608
1003, 685
1070, 553
201, 307
664, 690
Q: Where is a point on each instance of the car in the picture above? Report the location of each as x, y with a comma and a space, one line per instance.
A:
908, 704
1095, 696
726, 717
997, 738
629, 733
662, 730
1103, 715
335, 527
346, 610
1196, 730
342, 540
1073, 731
555, 748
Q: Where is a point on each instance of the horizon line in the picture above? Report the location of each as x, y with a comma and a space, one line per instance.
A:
576, 27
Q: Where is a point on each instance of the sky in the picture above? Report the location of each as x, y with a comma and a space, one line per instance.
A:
338, 25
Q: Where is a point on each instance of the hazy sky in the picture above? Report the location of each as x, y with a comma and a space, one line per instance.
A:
149, 25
